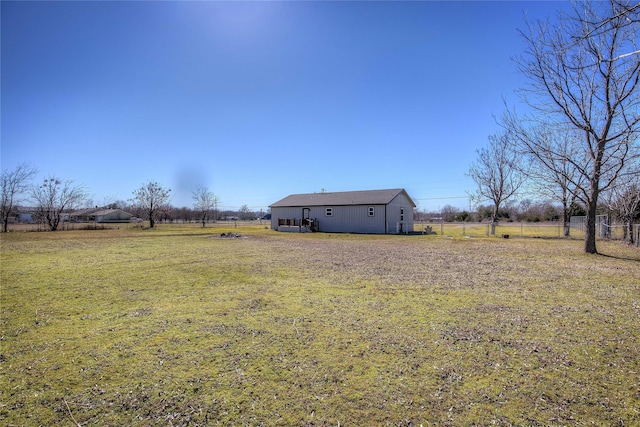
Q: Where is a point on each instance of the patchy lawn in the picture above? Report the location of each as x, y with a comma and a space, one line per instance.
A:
179, 326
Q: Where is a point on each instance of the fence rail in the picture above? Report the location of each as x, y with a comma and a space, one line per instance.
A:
525, 229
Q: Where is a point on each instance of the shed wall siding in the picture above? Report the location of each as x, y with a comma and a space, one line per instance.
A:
284, 212
350, 219
393, 215
345, 219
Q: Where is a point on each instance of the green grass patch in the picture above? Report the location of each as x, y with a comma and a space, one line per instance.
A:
180, 326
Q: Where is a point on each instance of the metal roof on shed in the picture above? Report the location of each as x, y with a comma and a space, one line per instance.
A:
344, 198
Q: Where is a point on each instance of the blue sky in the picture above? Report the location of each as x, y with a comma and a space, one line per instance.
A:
258, 100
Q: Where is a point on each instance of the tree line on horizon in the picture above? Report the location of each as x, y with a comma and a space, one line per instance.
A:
576, 145
525, 210
53, 199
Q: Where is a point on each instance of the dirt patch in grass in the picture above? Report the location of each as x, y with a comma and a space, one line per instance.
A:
178, 327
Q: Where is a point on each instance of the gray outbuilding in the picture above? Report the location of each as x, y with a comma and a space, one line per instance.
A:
368, 212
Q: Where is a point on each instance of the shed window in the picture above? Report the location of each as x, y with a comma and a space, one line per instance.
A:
401, 214
328, 212
372, 211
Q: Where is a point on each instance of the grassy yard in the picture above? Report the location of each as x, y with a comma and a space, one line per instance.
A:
180, 326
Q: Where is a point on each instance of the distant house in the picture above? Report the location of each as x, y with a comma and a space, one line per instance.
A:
99, 215
369, 212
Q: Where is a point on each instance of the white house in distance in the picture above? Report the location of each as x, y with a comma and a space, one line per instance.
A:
369, 212
98, 215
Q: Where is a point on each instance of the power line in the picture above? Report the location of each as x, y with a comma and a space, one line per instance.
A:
444, 198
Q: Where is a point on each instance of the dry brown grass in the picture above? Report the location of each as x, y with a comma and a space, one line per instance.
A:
178, 326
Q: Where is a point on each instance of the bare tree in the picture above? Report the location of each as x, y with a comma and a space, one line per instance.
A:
245, 213
497, 173
152, 198
54, 198
449, 213
584, 72
14, 183
551, 154
204, 202
624, 200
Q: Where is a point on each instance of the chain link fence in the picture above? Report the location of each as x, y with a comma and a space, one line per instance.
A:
548, 230
506, 229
